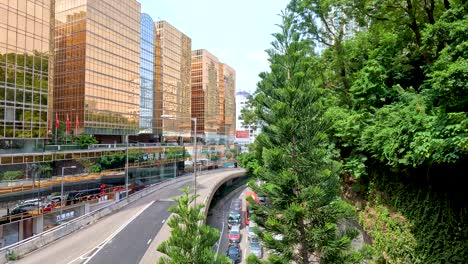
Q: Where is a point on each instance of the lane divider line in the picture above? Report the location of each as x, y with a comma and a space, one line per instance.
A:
118, 231
220, 237
109, 238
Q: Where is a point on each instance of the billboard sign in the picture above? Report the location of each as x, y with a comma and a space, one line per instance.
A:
242, 134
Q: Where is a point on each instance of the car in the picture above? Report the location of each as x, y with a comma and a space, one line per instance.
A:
24, 208
234, 253
234, 234
234, 218
236, 204
49, 206
256, 249
262, 200
251, 232
57, 199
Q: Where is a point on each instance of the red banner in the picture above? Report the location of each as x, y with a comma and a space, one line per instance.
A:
242, 134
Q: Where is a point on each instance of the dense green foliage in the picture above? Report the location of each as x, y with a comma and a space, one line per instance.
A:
85, 140
390, 86
191, 241
298, 169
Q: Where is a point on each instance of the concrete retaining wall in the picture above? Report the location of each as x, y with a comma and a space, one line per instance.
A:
216, 187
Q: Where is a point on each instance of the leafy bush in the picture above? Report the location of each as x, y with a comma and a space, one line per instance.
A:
84, 140
12, 175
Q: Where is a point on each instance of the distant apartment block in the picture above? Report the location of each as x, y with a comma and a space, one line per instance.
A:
97, 66
246, 133
24, 77
172, 83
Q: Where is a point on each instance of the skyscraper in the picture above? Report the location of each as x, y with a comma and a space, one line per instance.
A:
24, 65
146, 74
97, 66
206, 95
229, 102
173, 83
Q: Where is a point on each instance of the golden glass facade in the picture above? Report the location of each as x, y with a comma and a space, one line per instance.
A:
24, 64
228, 82
206, 95
172, 81
97, 65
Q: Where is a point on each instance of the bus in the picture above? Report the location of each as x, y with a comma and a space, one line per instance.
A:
249, 210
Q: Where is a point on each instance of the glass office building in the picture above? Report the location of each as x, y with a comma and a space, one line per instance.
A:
228, 81
97, 66
24, 66
206, 96
173, 84
146, 74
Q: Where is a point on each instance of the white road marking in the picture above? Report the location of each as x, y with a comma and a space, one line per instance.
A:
220, 237
163, 221
109, 238
149, 241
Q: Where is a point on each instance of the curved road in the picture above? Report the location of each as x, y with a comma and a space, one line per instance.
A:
123, 237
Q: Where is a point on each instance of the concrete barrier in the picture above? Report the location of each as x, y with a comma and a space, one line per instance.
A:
216, 187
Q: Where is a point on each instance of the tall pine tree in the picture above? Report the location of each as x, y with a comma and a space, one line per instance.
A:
191, 241
305, 220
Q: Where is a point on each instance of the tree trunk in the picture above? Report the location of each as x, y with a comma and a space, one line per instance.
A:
415, 28
430, 11
447, 4
304, 250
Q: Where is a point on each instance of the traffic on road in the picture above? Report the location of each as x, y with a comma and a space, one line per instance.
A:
231, 216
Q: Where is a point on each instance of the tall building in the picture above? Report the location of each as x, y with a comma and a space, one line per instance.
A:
227, 86
173, 84
97, 66
206, 95
245, 134
24, 65
147, 32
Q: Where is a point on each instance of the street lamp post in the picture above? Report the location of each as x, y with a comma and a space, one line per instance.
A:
195, 158
175, 164
126, 166
61, 188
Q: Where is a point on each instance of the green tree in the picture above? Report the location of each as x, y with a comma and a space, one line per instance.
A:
12, 175
191, 241
301, 178
85, 140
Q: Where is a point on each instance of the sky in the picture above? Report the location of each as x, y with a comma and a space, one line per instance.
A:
237, 32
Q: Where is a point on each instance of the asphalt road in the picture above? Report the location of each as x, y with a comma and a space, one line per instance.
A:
135, 238
104, 235
218, 219
78, 247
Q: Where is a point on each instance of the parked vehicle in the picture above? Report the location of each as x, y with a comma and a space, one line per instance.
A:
25, 207
256, 249
262, 200
77, 196
49, 206
234, 253
251, 232
234, 234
